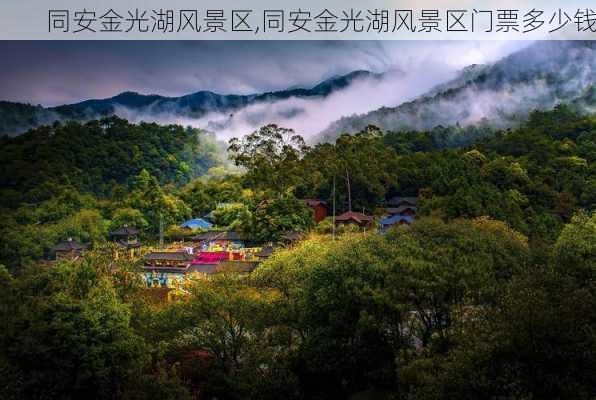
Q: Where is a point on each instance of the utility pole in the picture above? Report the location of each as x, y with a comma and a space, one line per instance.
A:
333, 224
365, 225
349, 190
160, 230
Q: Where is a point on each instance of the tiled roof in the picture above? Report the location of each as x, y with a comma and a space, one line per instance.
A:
196, 223
314, 202
231, 235
230, 266
125, 231
355, 216
394, 219
208, 269
236, 266
167, 269
218, 235
169, 255
128, 245
69, 245
400, 209
209, 235
398, 201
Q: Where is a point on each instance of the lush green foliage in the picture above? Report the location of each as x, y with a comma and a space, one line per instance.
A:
67, 334
464, 309
271, 157
534, 177
99, 156
489, 294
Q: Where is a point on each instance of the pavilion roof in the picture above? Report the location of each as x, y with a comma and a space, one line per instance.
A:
169, 256
69, 245
125, 230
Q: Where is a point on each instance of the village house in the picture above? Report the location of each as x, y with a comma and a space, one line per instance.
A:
165, 268
400, 211
206, 238
393, 220
403, 210
127, 239
355, 218
207, 267
220, 241
319, 208
398, 201
68, 250
206, 262
196, 223
242, 267
168, 259
215, 252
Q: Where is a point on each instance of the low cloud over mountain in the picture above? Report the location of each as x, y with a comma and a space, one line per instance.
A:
416, 95
537, 77
307, 110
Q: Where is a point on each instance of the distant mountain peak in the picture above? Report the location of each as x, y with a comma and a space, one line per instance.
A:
127, 94
539, 76
194, 105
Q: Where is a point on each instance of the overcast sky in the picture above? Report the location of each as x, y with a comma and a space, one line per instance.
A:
52, 73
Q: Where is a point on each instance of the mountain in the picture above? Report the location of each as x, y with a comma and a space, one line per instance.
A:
539, 76
16, 118
496, 95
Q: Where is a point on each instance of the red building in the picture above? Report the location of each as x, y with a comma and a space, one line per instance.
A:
319, 208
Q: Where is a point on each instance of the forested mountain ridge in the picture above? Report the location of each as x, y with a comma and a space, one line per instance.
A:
502, 94
16, 118
100, 155
498, 95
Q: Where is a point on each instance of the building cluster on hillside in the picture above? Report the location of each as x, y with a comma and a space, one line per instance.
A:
399, 211
127, 240
69, 249
213, 251
208, 253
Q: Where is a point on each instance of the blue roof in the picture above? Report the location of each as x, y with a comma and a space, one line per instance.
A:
396, 219
196, 223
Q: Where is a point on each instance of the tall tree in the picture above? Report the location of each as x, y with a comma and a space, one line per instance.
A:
271, 157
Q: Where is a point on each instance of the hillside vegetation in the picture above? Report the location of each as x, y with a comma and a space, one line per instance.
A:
490, 293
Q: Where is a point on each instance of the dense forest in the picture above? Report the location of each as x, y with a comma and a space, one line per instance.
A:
539, 76
489, 294
16, 118
100, 157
